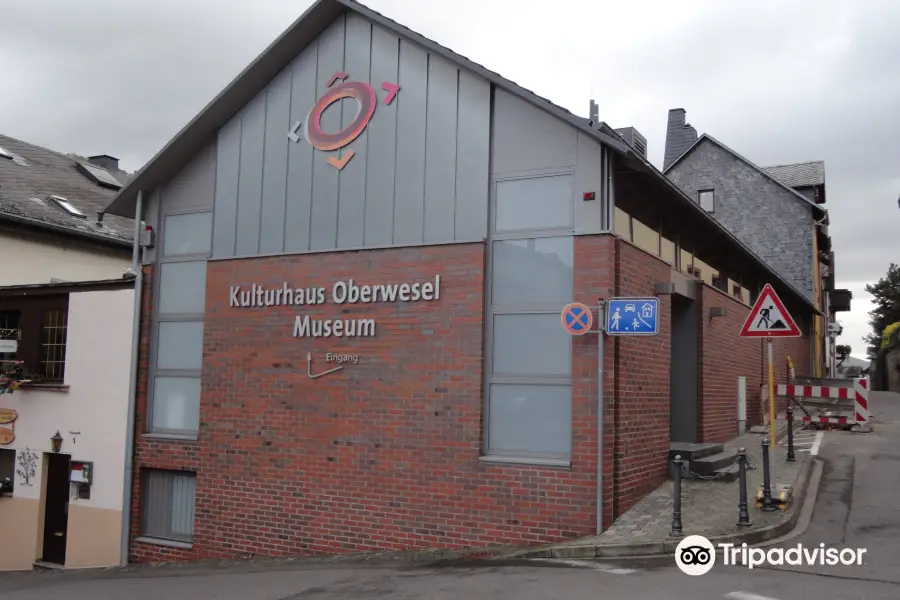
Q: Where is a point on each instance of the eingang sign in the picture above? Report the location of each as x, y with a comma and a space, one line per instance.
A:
342, 292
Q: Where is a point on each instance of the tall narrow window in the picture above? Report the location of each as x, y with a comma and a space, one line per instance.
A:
707, 200
529, 380
178, 341
53, 344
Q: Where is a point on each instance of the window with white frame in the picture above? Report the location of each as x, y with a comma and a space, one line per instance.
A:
531, 253
34, 329
178, 348
167, 507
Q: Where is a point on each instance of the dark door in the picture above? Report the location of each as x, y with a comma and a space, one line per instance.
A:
684, 347
56, 510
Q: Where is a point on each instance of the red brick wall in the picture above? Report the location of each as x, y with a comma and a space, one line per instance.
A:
725, 356
148, 452
385, 454
642, 384
594, 279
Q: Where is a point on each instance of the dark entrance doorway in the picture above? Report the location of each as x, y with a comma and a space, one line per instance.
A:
56, 509
684, 403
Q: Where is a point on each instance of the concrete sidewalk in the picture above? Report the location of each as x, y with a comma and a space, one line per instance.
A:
709, 508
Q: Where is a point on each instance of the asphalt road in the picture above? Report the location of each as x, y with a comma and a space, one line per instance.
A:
854, 508
525, 580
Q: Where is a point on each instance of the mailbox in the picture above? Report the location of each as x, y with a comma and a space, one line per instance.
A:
81, 472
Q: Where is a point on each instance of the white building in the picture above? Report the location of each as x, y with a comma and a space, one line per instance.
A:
66, 330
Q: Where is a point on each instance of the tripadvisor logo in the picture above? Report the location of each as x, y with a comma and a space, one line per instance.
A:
696, 555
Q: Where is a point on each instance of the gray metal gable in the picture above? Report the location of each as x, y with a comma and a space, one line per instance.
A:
205, 127
416, 174
193, 136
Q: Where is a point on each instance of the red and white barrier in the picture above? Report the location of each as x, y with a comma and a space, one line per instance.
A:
859, 393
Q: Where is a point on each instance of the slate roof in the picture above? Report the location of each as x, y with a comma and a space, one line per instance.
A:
35, 173
749, 163
799, 175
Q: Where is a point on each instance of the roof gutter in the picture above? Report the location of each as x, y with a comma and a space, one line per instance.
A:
132, 380
86, 235
650, 169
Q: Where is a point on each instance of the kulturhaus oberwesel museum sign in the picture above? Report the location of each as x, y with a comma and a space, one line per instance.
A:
341, 293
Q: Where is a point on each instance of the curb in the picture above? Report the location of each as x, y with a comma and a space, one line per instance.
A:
667, 547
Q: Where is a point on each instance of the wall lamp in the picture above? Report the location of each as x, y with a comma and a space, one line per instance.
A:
664, 288
717, 311
56, 442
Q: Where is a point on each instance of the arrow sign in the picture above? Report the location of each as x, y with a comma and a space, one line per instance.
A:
292, 134
309, 372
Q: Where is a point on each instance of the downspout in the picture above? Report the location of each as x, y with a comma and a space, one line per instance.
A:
132, 380
609, 199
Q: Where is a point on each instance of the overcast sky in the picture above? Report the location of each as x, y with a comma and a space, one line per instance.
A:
777, 81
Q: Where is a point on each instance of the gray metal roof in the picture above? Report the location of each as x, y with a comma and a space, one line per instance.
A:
800, 174
203, 128
30, 174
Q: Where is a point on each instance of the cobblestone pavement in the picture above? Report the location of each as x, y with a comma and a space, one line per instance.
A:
708, 508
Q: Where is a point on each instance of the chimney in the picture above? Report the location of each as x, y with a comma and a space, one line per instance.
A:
105, 161
679, 136
595, 112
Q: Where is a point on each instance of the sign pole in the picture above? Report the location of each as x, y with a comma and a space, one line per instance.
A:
616, 316
601, 306
769, 318
771, 395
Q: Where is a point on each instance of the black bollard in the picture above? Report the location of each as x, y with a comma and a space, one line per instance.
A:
743, 513
676, 505
790, 434
767, 504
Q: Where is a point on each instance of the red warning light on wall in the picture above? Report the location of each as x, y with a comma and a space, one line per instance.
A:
589, 196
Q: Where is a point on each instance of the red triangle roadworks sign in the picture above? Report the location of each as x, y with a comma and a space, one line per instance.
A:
769, 318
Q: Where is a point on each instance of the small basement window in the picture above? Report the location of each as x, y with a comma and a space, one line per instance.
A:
168, 507
99, 176
67, 206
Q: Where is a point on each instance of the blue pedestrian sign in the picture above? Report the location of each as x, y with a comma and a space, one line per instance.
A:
632, 316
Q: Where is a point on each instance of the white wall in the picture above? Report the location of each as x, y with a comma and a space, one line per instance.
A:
98, 358
27, 261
